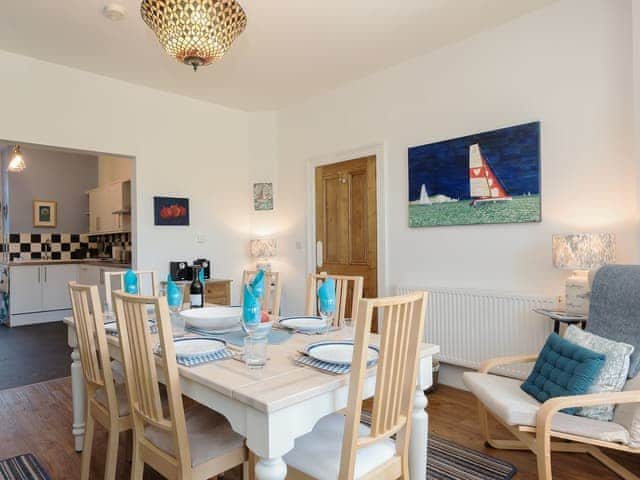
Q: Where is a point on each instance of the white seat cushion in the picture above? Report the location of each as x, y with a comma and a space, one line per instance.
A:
628, 414
210, 435
121, 397
318, 452
507, 401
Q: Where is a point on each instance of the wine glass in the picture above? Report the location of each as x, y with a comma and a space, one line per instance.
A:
348, 328
327, 310
251, 316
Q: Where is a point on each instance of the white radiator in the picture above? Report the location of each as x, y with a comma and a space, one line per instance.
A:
471, 326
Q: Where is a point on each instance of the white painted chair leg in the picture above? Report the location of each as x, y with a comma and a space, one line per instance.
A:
79, 399
418, 441
271, 469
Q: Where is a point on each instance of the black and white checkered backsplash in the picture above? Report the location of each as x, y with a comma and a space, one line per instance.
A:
30, 246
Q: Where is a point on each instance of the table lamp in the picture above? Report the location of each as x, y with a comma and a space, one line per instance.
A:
263, 249
581, 252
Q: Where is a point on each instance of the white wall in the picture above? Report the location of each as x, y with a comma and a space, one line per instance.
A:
182, 147
568, 66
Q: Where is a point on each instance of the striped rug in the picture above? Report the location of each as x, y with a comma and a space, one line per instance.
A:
447, 460
22, 467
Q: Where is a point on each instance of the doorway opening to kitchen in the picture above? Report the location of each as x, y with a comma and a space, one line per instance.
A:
66, 215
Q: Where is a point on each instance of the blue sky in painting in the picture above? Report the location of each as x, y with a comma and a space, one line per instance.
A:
513, 153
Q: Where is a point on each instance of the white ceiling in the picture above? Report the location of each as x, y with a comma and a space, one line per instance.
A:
291, 49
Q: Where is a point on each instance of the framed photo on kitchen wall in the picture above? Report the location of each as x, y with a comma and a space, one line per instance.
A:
45, 213
171, 211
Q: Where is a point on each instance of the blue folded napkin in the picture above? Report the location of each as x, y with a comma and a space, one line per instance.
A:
251, 313
257, 286
201, 275
130, 282
327, 296
174, 293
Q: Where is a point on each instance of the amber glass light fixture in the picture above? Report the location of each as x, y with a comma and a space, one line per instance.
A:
16, 162
195, 32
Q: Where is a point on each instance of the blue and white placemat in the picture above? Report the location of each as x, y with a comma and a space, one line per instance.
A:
112, 327
200, 359
324, 366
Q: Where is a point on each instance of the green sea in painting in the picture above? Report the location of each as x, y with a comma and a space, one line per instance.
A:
525, 208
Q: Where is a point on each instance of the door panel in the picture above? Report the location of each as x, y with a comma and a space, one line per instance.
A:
26, 289
346, 220
55, 286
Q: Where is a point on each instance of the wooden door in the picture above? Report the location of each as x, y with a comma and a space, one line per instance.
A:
346, 221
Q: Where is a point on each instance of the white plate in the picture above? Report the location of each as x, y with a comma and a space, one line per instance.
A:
212, 318
303, 323
338, 353
193, 347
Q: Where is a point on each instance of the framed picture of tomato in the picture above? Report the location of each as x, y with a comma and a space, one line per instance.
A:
171, 211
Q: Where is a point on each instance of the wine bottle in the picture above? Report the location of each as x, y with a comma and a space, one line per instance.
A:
196, 291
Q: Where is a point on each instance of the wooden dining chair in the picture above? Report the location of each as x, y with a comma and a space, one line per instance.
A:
273, 290
196, 443
144, 277
107, 401
346, 287
339, 446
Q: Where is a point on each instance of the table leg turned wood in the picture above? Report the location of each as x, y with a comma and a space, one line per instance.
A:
271, 469
418, 441
78, 394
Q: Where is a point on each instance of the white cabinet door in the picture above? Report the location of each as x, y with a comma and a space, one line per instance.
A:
26, 289
55, 286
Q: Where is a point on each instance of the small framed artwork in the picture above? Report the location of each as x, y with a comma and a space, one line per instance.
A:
263, 196
45, 213
171, 211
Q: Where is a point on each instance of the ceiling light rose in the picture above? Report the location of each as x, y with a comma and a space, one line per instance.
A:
16, 164
114, 11
195, 32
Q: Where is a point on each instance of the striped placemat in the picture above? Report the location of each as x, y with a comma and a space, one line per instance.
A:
22, 467
324, 366
200, 359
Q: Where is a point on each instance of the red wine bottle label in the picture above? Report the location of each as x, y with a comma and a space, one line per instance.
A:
196, 300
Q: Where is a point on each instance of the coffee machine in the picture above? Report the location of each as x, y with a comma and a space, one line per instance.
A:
205, 265
182, 271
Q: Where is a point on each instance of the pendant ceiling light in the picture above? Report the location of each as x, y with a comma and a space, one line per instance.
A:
195, 32
16, 163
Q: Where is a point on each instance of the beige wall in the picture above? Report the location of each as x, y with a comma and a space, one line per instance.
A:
112, 169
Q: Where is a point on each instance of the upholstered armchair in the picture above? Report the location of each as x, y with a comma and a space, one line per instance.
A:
614, 314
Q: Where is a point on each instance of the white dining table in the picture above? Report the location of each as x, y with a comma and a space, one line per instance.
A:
272, 406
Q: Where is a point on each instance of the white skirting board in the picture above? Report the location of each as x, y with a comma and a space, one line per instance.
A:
23, 319
451, 376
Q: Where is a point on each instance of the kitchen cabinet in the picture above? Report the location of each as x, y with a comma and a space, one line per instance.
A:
93, 275
39, 288
110, 208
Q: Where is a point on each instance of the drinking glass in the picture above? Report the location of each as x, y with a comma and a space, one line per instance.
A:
326, 309
107, 313
348, 328
175, 306
251, 317
255, 351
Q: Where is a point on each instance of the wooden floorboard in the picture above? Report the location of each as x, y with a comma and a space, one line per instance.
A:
37, 419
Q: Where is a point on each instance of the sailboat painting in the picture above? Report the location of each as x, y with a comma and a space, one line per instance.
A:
489, 177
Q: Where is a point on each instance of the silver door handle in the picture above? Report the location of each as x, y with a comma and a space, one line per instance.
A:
319, 259
45, 274
39, 270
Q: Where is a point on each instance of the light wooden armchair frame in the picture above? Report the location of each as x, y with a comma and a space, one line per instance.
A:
538, 438
273, 290
396, 372
141, 274
96, 368
142, 371
344, 285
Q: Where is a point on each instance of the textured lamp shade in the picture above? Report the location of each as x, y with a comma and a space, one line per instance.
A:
261, 248
16, 164
583, 251
195, 32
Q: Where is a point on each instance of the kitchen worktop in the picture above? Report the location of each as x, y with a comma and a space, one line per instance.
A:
88, 261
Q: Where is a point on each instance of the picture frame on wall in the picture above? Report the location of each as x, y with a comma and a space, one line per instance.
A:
486, 178
263, 196
171, 211
45, 213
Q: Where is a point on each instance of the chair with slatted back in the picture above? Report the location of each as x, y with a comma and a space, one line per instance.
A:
340, 446
107, 401
193, 443
346, 286
273, 290
144, 276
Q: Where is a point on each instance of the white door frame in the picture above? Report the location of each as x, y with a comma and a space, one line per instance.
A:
379, 150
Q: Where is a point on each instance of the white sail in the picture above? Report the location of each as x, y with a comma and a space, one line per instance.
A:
424, 196
478, 185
